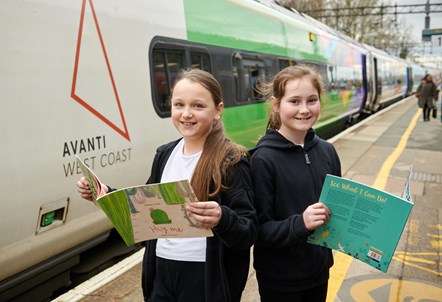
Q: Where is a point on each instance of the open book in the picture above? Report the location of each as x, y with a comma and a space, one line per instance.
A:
147, 212
365, 222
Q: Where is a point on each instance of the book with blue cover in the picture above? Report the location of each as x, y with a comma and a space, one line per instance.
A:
147, 212
365, 223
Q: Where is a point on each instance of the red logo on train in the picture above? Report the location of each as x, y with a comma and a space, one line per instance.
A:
86, 101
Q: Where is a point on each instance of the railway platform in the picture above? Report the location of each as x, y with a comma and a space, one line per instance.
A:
378, 151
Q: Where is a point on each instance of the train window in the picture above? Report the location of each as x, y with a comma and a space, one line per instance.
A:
200, 61
345, 77
166, 66
168, 58
283, 63
248, 73
332, 77
323, 69
357, 76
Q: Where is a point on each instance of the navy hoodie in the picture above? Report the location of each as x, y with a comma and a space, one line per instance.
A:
287, 178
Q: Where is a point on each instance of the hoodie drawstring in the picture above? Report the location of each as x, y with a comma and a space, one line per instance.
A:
307, 160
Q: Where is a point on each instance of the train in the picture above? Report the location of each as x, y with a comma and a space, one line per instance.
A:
93, 78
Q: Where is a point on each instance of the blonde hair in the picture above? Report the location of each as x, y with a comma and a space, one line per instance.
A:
276, 88
219, 152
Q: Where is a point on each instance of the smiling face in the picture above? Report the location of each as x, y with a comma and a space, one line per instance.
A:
193, 113
298, 109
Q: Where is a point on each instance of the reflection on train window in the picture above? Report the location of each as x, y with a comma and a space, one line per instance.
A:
344, 77
391, 78
200, 61
331, 77
169, 57
248, 73
166, 65
326, 71
283, 63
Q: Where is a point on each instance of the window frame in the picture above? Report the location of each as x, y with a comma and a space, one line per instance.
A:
165, 46
243, 64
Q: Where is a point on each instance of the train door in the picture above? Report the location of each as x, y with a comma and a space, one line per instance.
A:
409, 80
370, 67
377, 85
366, 81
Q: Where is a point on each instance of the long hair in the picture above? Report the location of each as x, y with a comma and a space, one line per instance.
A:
219, 152
427, 78
276, 88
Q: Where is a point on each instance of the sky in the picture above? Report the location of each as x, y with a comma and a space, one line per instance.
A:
417, 21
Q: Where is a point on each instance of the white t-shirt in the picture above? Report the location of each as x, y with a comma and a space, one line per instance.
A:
178, 167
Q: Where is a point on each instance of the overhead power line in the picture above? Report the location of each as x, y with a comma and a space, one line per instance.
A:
376, 10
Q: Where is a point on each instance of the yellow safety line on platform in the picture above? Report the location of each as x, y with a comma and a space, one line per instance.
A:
342, 261
405, 257
437, 273
382, 177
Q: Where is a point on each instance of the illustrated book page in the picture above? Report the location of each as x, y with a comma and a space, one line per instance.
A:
151, 211
365, 222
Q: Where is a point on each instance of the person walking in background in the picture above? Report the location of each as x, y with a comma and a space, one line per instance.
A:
201, 269
289, 166
439, 90
438, 83
427, 95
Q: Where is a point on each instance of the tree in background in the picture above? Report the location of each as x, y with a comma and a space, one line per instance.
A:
363, 20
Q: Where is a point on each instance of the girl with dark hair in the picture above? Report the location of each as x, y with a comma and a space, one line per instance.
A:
427, 95
201, 269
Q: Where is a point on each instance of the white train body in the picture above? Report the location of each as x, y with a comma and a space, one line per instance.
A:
76, 78
70, 84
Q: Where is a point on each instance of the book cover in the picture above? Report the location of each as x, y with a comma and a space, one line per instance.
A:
365, 223
147, 212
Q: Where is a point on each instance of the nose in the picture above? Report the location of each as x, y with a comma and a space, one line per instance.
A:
187, 113
304, 107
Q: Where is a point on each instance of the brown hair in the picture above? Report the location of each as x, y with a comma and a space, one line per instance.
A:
427, 76
276, 88
219, 152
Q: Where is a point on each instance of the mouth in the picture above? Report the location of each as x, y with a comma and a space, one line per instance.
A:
303, 118
187, 124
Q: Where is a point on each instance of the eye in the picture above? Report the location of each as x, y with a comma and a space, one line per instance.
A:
312, 100
198, 106
178, 104
294, 101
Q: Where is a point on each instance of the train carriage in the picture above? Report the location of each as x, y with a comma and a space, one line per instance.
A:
389, 79
93, 77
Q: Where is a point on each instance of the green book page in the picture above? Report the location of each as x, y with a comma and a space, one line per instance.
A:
147, 212
365, 223
152, 211
116, 208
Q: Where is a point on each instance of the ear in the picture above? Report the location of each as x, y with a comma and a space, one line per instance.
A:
219, 110
275, 104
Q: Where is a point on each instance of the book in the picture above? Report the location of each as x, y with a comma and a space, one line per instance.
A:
365, 223
147, 212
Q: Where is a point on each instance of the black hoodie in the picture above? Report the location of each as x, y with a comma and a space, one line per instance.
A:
228, 252
287, 178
